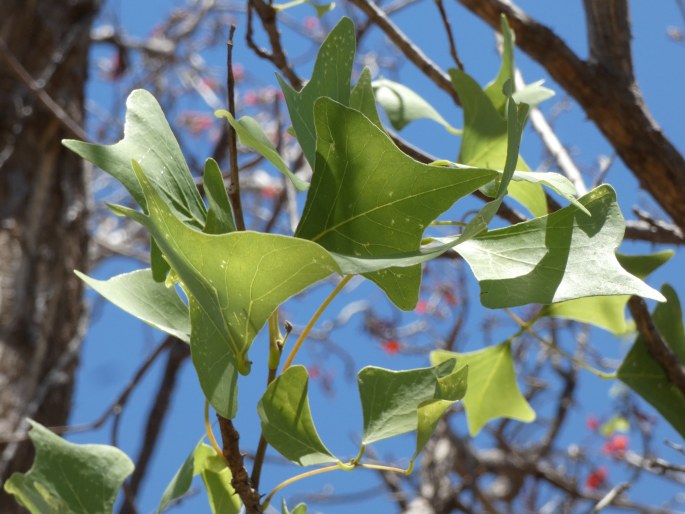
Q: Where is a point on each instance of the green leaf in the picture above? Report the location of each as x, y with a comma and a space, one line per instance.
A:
368, 199
148, 140
322, 9
558, 257
402, 105
251, 134
646, 377
217, 479
287, 422
533, 94
236, 290
397, 402
614, 425
67, 477
494, 90
608, 312
493, 391
362, 99
330, 78
484, 142
182, 480
301, 508
140, 295
220, 215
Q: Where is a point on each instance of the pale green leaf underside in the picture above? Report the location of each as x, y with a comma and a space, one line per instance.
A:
251, 134
149, 140
67, 477
217, 480
238, 279
533, 94
368, 199
492, 389
402, 105
301, 508
362, 98
391, 399
182, 480
287, 422
141, 296
646, 377
330, 78
220, 214
494, 90
558, 257
608, 312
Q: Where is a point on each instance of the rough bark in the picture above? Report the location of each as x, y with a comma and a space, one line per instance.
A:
43, 211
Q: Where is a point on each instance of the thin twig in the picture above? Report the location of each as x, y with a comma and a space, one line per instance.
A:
234, 188
450, 36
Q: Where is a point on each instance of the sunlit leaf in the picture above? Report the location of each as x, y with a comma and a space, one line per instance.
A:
533, 94
67, 477
646, 377
608, 312
217, 480
140, 295
220, 214
494, 90
369, 199
251, 134
149, 140
301, 508
182, 480
558, 257
330, 78
287, 422
492, 389
402, 105
237, 279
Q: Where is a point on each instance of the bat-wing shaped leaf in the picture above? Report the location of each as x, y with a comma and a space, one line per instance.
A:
67, 477
493, 391
287, 422
368, 199
558, 257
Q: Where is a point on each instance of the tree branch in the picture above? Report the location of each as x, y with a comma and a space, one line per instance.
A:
608, 27
616, 108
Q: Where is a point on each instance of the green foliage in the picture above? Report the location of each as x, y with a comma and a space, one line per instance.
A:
287, 422
646, 377
67, 477
366, 212
492, 389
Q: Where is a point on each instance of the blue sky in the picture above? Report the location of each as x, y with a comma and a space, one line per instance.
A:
116, 343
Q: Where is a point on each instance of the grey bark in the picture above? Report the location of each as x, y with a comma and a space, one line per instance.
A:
43, 213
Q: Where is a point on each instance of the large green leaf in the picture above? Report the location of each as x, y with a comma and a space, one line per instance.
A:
397, 402
287, 422
238, 279
368, 199
484, 142
492, 389
251, 134
330, 78
69, 478
140, 295
558, 257
402, 105
608, 312
217, 480
646, 377
148, 140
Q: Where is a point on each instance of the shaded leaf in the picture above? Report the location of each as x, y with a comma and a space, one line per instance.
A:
220, 214
251, 134
492, 389
368, 199
608, 312
558, 257
182, 480
402, 105
330, 78
495, 89
646, 377
287, 422
236, 290
140, 295
67, 477
362, 98
397, 402
149, 140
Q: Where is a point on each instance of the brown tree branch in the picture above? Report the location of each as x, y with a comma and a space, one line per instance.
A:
616, 107
608, 25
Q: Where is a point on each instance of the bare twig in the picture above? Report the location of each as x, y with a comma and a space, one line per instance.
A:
234, 188
450, 36
234, 458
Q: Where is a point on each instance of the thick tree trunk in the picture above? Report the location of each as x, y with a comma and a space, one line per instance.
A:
43, 213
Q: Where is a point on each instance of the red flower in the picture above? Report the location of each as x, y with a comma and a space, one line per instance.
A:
597, 478
592, 423
314, 372
616, 446
421, 306
391, 347
311, 23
